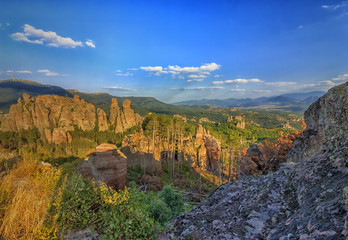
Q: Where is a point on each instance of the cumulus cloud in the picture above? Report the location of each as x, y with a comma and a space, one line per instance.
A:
48, 72
192, 73
121, 89
90, 43
197, 88
238, 80
33, 35
24, 72
158, 70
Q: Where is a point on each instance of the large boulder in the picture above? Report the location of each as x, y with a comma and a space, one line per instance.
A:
107, 165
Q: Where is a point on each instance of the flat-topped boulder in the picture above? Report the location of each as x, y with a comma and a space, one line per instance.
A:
106, 164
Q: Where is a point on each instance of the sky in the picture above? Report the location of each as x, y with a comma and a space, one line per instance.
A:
177, 50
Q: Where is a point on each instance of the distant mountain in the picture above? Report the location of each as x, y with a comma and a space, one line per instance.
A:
289, 101
11, 90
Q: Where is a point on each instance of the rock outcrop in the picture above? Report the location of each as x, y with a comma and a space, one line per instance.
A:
202, 149
304, 199
54, 116
121, 120
107, 164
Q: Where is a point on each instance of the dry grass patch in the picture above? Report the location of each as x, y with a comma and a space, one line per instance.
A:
25, 196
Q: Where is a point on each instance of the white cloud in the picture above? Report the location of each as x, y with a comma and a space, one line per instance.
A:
197, 88
343, 4
24, 72
127, 74
261, 91
90, 43
238, 80
158, 70
132, 69
118, 71
181, 72
280, 84
341, 78
8, 24
122, 89
217, 76
237, 90
48, 72
300, 26
38, 36
21, 37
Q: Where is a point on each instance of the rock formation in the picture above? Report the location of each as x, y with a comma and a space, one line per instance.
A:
54, 116
121, 120
266, 157
304, 199
202, 149
107, 164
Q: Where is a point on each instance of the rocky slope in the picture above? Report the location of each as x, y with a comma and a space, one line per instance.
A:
302, 200
55, 115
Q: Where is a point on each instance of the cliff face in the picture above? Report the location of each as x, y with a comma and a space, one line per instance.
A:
304, 199
54, 116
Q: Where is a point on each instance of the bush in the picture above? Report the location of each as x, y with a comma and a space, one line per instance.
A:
173, 200
160, 211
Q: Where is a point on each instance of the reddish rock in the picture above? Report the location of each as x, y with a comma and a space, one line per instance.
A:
107, 164
53, 116
102, 120
121, 120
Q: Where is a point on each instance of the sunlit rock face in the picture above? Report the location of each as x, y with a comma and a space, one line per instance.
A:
107, 165
305, 199
54, 116
121, 120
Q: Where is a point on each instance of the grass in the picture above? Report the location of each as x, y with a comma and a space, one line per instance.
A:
26, 195
41, 201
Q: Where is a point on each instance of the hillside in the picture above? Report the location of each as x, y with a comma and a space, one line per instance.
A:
10, 91
305, 199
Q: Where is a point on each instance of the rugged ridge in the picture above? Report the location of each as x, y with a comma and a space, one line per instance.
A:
302, 200
55, 115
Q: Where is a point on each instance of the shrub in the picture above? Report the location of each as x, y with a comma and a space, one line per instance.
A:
160, 211
173, 200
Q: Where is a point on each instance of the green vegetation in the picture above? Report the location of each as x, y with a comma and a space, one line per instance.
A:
53, 201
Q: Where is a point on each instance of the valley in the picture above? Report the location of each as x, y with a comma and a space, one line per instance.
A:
134, 154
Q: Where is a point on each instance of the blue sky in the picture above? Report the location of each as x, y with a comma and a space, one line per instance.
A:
177, 50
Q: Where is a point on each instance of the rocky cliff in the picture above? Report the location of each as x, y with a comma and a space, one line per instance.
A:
55, 115
304, 199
